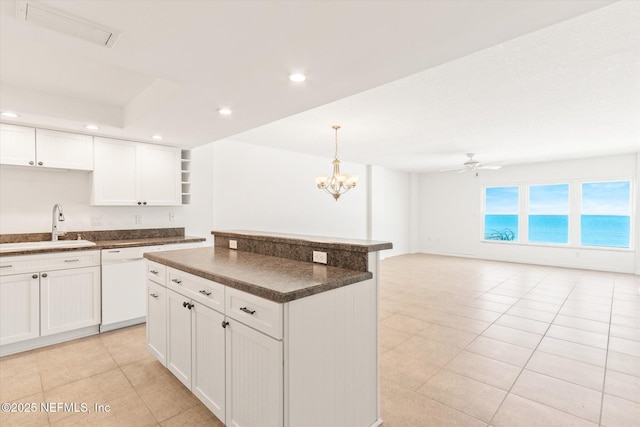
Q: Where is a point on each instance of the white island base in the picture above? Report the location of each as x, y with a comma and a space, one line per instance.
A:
309, 362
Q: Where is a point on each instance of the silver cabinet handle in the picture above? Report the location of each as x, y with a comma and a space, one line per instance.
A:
40, 163
113, 252
6, 266
203, 292
71, 260
246, 310
154, 295
32, 163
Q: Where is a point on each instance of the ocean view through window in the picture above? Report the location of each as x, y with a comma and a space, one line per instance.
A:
549, 214
501, 213
605, 218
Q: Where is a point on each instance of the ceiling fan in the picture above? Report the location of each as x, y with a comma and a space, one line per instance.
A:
473, 165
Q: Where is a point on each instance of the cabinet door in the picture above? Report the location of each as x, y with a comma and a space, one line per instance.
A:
157, 321
64, 150
179, 337
17, 145
254, 378
69, 299
115, 175
160, 175
208, 358
19, 308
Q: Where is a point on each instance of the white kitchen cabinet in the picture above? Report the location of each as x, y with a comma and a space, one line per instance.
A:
208, 358
254, 383
157, 321
19, 307
25, 146
64, 150
179, 337
48, 298
195, 349
17, 145
130, 173
69, 299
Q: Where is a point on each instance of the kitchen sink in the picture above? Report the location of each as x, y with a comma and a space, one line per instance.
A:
28, 246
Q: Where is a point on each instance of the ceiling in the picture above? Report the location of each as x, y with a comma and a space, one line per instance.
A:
414, 84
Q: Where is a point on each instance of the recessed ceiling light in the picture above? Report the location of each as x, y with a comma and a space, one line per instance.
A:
158, 137
297, 77
9, 114
225, 111
92, 127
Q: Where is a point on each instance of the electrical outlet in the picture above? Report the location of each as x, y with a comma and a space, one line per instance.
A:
138, 218
172, 217
320, 257
233, 244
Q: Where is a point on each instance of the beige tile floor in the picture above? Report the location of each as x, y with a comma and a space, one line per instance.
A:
463, 343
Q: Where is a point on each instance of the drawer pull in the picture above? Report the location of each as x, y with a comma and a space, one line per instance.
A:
6, 266
71, 260
154, 295
225, 324
176, 281
187, 305
153, 271
35, 276
203, 292
44, 274
246, 310
113, 252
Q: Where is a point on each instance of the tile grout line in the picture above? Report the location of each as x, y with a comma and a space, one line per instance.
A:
529, 359
606, 357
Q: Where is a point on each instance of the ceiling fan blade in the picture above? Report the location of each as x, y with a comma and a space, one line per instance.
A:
491, 167
452, 170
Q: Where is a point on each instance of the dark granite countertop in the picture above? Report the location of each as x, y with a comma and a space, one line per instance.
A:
276, 279
357, 245
106, 239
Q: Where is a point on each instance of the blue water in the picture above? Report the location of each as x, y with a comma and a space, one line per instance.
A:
500, 225
549, 229
595, 230
605, 230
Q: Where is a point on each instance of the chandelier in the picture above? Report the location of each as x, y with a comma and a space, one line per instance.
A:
338, 183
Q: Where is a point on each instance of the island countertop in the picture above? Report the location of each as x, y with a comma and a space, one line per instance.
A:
277, 279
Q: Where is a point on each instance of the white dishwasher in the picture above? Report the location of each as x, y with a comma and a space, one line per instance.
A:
124, 295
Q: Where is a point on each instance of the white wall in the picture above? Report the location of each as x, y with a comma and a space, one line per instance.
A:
27, 196
390, 209
451, 222
266, 189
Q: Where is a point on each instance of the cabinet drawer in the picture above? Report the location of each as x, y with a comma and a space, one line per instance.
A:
157, 273
253, 311
204, 291
48, 262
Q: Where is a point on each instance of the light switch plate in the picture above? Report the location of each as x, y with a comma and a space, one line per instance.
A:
320, 257
233, 244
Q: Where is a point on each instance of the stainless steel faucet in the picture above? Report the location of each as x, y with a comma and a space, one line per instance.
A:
57, 216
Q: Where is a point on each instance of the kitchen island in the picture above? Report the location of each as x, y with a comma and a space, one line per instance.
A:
265, 337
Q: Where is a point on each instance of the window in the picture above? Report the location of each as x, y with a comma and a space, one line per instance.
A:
501, 213
549, 213
605, 218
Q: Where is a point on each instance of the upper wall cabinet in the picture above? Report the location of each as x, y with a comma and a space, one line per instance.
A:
25, 146
130, 173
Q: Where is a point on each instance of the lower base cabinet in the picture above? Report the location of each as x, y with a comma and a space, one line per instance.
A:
254, 378
19, 307
157, 321
69, 299
311, 362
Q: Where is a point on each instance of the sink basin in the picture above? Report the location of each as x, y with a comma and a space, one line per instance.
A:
29, 246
